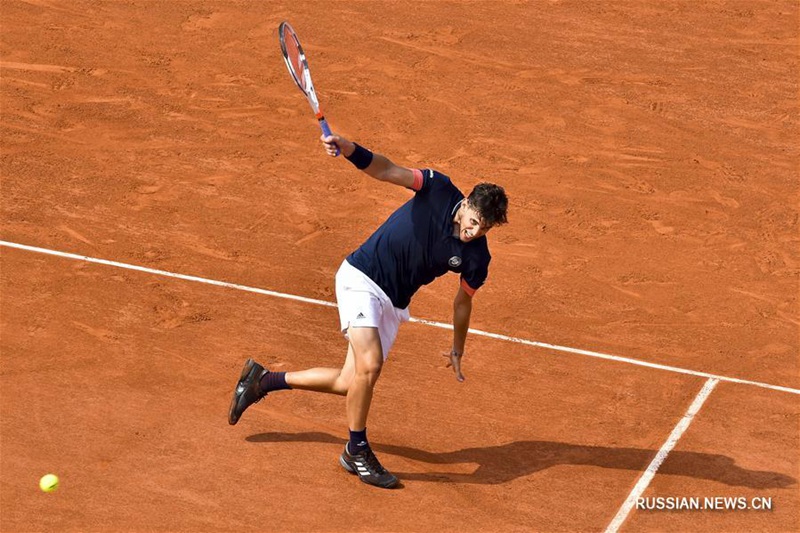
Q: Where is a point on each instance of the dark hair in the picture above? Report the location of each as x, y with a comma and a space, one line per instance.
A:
491, 202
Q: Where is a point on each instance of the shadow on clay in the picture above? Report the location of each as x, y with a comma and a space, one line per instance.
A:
506, 462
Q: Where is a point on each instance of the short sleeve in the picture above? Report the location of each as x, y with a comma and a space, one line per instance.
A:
419, 179
431, 180
474, 275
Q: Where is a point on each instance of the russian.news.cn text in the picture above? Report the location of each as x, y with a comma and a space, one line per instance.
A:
704, 503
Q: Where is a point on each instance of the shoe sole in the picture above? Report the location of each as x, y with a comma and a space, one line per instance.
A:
248, 366
346, 466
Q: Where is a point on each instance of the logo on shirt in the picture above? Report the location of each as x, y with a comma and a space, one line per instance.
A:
455, 261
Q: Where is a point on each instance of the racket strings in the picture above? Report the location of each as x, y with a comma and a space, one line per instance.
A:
296, 61
298, 65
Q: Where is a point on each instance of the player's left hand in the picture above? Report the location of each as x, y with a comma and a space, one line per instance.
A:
455, 362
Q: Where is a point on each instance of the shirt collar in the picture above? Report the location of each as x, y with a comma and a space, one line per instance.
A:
453, 212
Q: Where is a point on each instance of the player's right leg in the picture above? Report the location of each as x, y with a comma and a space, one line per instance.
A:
330, 380
256, 382
248, 390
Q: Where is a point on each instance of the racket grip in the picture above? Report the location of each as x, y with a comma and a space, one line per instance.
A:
327, 131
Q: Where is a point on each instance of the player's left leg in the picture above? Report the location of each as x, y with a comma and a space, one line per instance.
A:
368, 355
358, 457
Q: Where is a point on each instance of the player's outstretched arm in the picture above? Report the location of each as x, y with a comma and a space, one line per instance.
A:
462, 309
376, 165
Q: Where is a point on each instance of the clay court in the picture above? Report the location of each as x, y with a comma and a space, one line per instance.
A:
167, 207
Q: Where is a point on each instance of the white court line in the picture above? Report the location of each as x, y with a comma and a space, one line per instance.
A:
618, 358
165, 273
654, 465
517, 340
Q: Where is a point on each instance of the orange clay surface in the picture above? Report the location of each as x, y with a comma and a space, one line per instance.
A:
650, 153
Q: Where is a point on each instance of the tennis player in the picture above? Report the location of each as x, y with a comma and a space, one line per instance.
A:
435, 232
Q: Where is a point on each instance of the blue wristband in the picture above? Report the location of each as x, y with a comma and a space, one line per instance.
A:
361, 157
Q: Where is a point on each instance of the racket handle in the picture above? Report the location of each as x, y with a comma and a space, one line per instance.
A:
327, 131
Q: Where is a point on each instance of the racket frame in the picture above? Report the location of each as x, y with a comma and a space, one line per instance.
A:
285, 31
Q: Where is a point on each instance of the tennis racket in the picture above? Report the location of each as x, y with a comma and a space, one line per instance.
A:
297, 64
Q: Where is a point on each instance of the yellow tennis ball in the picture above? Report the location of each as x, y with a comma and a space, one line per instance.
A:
49, 482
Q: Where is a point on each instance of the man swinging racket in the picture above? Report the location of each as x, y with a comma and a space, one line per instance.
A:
436, 231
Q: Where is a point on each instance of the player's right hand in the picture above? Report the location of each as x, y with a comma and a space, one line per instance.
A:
334, 143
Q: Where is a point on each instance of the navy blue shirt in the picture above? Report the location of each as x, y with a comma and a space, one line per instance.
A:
416, 244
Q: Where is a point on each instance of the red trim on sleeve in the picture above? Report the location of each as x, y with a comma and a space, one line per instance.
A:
469, 290
418, 178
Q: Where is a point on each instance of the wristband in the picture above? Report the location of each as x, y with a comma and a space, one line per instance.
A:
361, 157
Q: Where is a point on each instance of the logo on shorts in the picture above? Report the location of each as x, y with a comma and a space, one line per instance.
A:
455, 261
360, 316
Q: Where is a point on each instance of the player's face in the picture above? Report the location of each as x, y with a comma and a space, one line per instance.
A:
471, 225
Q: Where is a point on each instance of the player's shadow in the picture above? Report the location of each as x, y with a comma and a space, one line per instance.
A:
506, 462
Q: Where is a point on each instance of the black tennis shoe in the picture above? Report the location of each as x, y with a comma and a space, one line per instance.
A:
247, 391
368, 468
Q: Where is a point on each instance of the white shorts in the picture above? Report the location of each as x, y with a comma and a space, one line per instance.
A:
363, 304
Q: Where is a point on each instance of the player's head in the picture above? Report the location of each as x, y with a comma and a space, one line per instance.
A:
485, 207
